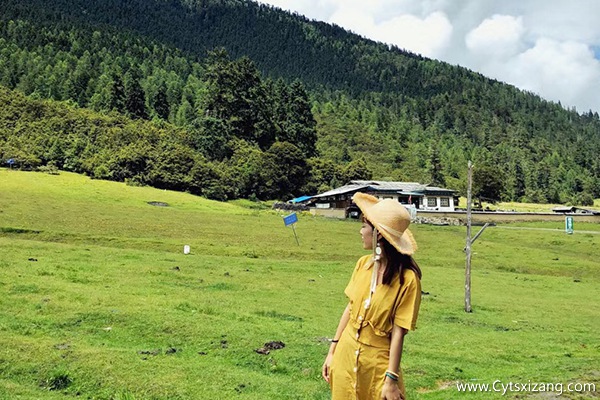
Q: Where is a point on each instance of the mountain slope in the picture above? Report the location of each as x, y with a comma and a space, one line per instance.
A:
407, 117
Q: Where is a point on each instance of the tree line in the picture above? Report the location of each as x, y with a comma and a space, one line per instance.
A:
51, 134
350, 107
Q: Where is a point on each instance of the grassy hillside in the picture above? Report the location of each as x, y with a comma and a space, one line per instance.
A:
98, 301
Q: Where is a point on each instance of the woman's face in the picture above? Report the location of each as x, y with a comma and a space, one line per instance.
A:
366, 232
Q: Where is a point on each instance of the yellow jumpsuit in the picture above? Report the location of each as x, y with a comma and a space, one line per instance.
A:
361, 357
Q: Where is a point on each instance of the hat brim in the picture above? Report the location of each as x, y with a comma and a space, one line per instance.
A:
364, 202
405, 244
408, 244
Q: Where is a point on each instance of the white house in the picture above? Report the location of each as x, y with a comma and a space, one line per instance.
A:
412, 194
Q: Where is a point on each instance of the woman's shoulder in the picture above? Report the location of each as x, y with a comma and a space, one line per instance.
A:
409, 276
364, 260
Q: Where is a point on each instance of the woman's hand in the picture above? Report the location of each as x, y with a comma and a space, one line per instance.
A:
326, 370
391, 391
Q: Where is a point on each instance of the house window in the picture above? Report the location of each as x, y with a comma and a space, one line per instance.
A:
444, 202
432, 202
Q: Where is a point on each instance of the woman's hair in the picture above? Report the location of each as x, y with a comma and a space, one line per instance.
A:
396, 261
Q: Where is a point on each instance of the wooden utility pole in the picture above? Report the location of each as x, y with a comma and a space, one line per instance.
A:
468, 247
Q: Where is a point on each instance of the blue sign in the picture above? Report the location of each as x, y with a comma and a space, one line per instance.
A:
290, 219
10, 161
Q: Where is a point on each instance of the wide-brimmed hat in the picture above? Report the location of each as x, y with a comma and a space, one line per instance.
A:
390, 218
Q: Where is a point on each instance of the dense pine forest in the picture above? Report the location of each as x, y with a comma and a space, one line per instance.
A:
230, 98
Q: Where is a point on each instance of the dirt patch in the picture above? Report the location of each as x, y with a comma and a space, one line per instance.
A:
158, 204
150, 352
266, 349
57, 382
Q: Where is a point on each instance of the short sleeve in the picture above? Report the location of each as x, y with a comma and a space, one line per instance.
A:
351, 287
407, 310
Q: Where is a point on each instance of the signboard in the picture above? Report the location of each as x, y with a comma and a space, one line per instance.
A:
290, 219
569, 225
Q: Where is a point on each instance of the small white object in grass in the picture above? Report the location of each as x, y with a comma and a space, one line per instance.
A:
186, 249
108, 328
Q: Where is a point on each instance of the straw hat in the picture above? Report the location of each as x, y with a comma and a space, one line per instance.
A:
390, 218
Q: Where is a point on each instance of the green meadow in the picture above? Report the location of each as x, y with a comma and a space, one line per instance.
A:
98, 301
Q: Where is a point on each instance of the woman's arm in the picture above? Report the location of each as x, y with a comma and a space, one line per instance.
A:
338, 333
391, 391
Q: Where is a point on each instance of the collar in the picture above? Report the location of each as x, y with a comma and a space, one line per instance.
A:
369, 263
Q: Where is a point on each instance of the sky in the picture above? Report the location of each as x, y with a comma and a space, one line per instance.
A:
548, 47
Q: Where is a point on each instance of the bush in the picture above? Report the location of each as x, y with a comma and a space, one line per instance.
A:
215, 191
585, 199
136, 181
50, 169
101, 172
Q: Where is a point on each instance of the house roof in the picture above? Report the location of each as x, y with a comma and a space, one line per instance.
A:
402, 187
351, 187
388, 185
300, 199
407, 188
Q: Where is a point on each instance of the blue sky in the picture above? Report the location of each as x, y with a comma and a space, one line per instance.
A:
548, 47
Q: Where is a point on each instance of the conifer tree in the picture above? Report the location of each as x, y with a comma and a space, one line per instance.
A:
117, 94
135, 99
161, 103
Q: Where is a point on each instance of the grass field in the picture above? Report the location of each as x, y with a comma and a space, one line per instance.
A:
98, 301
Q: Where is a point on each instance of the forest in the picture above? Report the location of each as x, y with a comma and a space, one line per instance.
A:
231, 98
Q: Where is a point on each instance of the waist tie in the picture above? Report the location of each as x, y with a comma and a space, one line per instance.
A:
367, 335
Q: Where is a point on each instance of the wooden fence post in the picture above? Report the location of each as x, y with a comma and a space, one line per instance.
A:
468, 247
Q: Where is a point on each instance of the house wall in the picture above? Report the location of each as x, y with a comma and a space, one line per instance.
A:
382, 196
329, 212
425, 203
333, 203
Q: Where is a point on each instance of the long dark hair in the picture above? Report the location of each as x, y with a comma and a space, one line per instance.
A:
396, 261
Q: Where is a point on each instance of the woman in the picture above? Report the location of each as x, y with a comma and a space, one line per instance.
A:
384, 296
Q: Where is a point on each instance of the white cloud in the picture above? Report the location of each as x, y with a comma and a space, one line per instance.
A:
315, 9
572, 20
544, 46
354, 19
562, 71
426, 36
420, 35
498, 36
